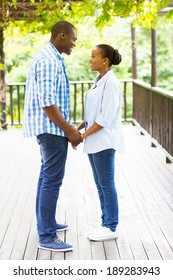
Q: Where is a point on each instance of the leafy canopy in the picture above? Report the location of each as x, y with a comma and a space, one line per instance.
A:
40, 15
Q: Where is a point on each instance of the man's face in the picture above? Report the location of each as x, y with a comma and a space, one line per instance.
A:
69, 41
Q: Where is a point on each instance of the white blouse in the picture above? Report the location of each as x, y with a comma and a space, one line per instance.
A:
103, 106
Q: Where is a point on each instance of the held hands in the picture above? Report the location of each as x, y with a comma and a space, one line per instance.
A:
92, 129
75, 146
74, 137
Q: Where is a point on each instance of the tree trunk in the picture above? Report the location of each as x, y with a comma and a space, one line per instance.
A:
2, 83
154, 58
134, 58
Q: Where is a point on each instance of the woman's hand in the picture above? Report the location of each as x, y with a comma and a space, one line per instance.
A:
82, 136
74, 147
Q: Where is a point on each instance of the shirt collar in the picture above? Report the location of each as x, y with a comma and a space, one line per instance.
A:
55, 51
99, 80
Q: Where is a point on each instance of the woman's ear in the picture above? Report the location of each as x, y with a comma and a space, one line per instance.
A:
106, 61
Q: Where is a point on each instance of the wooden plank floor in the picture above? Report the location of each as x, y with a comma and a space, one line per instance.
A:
145, 189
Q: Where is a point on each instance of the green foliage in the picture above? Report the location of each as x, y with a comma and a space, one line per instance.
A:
1, 66
169, 17
97, 21
164, 54
20, 48
19, 51
44, 13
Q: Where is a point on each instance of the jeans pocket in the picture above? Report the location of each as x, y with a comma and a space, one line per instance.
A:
50, 141
41, 138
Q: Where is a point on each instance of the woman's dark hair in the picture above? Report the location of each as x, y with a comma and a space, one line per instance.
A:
111, 53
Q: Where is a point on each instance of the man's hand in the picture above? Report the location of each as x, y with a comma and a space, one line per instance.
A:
55, 116
74, 136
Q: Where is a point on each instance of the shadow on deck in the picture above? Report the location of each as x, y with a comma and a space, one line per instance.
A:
145, 189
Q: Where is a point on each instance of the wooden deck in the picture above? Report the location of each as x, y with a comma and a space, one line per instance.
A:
145, 188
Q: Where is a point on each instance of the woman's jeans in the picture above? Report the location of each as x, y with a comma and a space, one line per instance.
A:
102, 164
53, 151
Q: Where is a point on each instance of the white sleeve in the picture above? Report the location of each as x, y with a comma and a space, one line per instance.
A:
110, 104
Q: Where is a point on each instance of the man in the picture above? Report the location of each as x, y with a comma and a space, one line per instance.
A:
47, 116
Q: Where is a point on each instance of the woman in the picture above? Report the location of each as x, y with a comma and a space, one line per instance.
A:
103, 135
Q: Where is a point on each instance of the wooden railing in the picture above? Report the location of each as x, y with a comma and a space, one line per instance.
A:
153, 111
16, 92
152, 108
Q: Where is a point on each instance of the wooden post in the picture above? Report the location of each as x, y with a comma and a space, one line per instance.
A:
2, 83
134, 64
153, 76
134, 58
154, 58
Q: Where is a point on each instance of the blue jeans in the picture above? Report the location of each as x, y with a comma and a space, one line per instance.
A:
53, 150
102, 164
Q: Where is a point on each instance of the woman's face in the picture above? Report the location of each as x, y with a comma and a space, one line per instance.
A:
96, 60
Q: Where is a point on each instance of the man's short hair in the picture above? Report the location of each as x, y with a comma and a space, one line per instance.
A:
60, 26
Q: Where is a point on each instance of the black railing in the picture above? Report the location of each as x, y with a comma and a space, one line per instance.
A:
16, 92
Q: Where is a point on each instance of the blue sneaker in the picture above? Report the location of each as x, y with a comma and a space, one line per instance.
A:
56, 245
61, 227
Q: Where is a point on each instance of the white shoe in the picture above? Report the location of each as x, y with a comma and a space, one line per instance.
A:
103, 234
95, 230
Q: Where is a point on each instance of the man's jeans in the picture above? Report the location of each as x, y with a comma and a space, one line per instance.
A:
102, 164
53, 150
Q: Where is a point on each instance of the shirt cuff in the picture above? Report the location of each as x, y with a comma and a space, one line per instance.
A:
47, 102
101, 121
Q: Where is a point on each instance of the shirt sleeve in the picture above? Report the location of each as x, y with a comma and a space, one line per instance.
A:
46, 76
110, 104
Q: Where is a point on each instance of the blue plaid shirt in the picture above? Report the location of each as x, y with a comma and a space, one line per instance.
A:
47, 84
